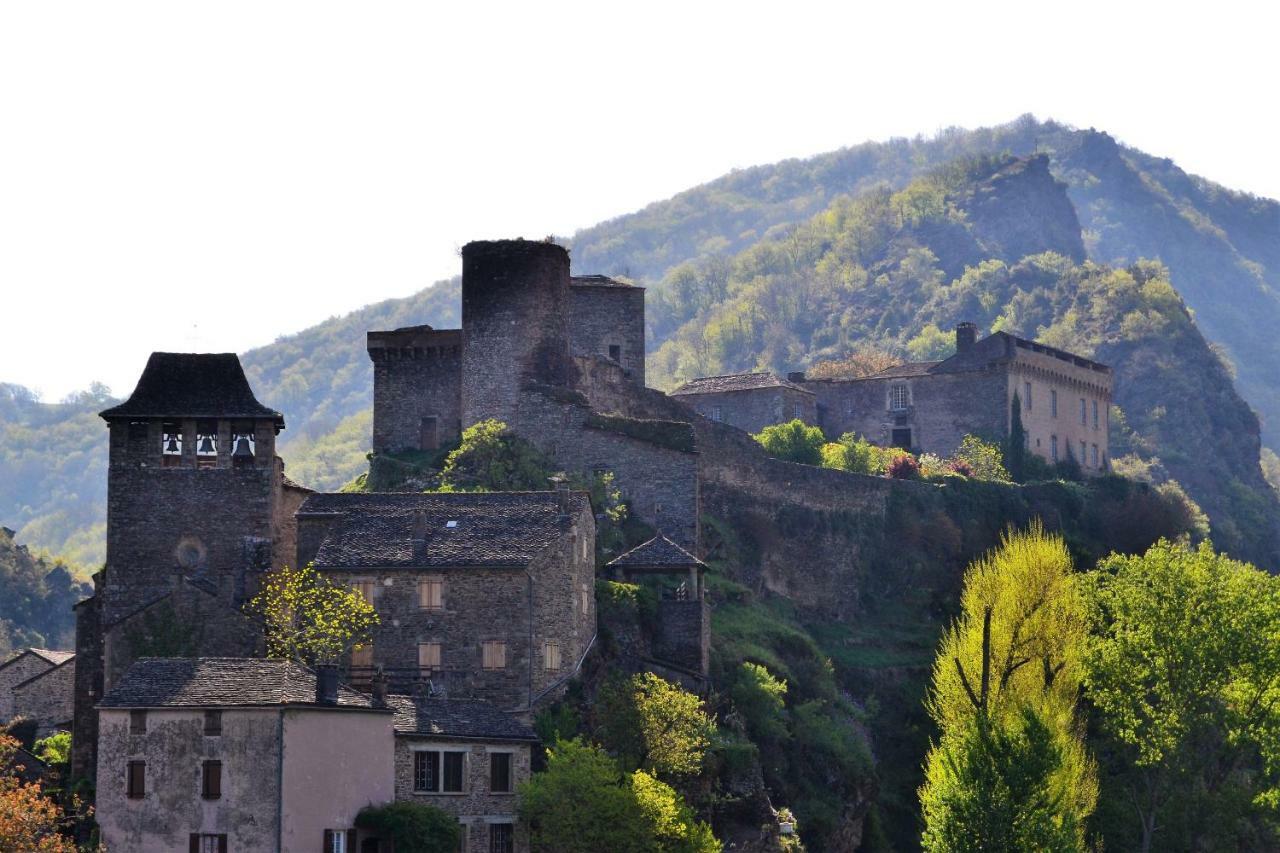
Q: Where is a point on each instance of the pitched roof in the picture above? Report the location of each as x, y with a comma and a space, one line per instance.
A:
598, 281
193, 385
406, 530
903, 371
658, 553
40, 675
49, 655
219, 683
462, 718
736, 382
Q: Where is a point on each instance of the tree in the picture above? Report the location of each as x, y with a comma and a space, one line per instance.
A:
412, 827
794, 441
584, 803
1014, 650
761, 699
863, 361
29, 821
650, 723
309, 619
1015, 446
1183, 664
983, 459
491, 458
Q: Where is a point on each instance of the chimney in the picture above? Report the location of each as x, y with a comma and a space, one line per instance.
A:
966, 335
379, 688
797, 376
560, 484
326, 684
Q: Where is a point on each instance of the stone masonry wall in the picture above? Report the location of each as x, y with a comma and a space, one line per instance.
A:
18, 669
604, 315
1046, 376
476, 807
754, 409
49, 698
417, 375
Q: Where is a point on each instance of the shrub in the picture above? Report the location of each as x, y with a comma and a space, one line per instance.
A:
760, 698
492, 459
852, 453
648, 722
984, 459
904, 467
794, 441
412, 827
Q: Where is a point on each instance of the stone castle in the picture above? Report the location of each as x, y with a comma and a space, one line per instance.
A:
486, 602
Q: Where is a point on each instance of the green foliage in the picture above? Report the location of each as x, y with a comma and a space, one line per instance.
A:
36, 597
1015, 445
412, 827
1183, 666
761, 699
584, 803
491, 458
990, 789
309, 619
984, 459
650, 723
327, 461
54, 749
1007, 668
857, 455
932, 344
794, 441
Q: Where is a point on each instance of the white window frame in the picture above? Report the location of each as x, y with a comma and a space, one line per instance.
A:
899, 397
440, 753
717, 413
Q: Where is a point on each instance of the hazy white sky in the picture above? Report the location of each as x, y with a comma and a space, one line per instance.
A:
210, 176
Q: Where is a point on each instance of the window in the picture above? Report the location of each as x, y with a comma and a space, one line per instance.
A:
493, 654
362, 656
500, 772
1053, 448
1095, 456
1026, 397
898, 397
463, 831
798, 412
615, 353
171, 445
586, 599
213, 723
502, 838
208, 843
211, 780
436, 772
431, 593
717, 413
1095, 414
206, 444
428, 658
136, 780
339, 841
1053, 403
551, 655
1084, 460
1084, 417
365, 588
137, 722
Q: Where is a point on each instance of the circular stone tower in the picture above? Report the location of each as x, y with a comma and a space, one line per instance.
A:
515, 325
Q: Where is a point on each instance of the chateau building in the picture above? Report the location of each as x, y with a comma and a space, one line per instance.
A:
749, 401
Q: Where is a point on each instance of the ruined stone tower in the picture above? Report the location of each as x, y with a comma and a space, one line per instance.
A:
515, 324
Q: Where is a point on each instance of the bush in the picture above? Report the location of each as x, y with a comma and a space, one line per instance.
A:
760, 698
648, 722
412, 827
904, 467
794, 441
984, 459
493, 459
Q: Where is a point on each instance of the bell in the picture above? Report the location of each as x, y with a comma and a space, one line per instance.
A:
172, 445
206, 444
243, 449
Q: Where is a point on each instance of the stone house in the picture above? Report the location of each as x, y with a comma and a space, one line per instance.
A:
683, 638
236, 755
749, 401
469, 759
48, 698
488, 596
22, 666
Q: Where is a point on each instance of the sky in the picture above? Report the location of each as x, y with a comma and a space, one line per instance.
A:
209, 177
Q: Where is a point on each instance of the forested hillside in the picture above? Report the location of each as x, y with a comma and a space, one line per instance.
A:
36, 597
1222, 251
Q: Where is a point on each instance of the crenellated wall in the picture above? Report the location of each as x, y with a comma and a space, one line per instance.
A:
417, 388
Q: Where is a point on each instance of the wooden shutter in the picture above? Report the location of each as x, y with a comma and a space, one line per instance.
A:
222, 843
351, 841
193, 845
328, 841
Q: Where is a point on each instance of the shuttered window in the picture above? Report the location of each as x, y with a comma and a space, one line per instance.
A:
207, 843
339, 841
365, 588
362, 656
500, 772
502, 838
211, 780
438, 772
493, 654
551, 655
136, 780
451, 776
428, 658
137, 722
213, 723
431, 593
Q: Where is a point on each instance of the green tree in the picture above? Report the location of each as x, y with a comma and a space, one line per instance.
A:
1015, 649
309, 619
794, 441
1183, 664
412, 827
1015, 445
932, 344
650, 723
491, 458
852, 453
584, 803
761, 699
983, 458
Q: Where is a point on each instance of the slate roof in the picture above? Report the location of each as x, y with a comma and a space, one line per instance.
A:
40, 675
219, 683
597, 281
463, 718
51, 655
193, 385
736, 382
407, 530
658, 553
904, 371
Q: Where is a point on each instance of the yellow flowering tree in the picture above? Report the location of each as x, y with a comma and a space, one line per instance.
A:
309, 619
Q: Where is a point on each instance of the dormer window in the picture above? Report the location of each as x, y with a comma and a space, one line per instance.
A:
171, 445
206, 444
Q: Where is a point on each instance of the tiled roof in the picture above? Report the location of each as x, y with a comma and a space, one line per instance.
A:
49, 671
219, 683
658, 553
455, 718
405, 530
50, 655
903, 371
193, 385
735, 382
597, 281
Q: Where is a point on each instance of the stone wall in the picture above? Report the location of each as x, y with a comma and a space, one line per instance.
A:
17, 669
751, 410
48, 698
604, 315
1046, 377
417, 388
476, 807
89, 679
684, 634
